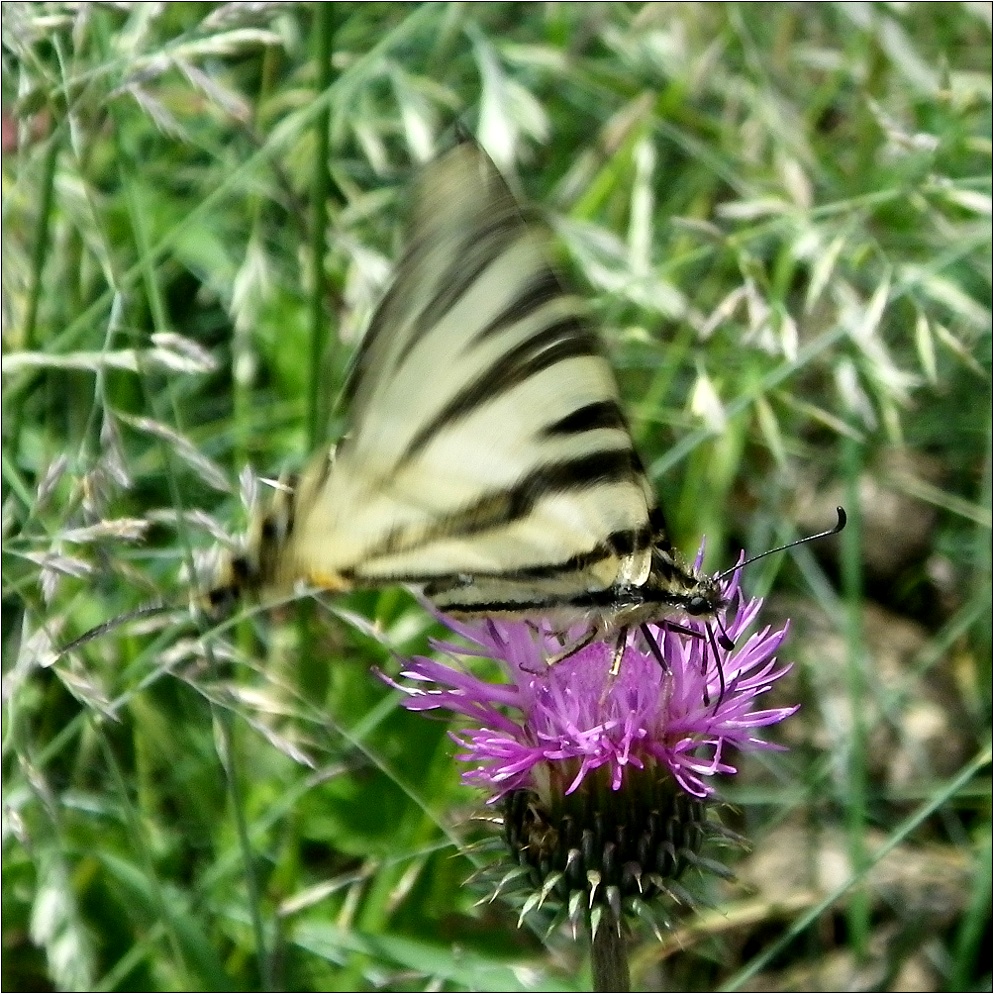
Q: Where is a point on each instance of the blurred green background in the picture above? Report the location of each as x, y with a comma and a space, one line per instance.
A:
781, 215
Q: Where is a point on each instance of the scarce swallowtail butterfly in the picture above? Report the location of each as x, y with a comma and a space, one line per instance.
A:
486, 458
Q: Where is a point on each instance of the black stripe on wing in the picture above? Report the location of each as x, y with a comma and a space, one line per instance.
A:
565, 339
503, 507
388, 312
615, 597
501, 220
542, 288
617, 544
602, 414
471, 258
657, 525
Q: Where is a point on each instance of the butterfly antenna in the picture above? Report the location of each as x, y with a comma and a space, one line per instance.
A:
142, 612
839, 525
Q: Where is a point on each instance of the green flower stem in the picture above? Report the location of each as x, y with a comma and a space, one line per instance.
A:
609, 961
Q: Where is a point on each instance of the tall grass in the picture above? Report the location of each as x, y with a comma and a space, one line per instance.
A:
781, 216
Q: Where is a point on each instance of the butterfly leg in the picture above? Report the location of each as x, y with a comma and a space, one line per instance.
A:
575, 648
683, 630
718, 667
657, 653
544, 630
711, 644
724, 639
619, 650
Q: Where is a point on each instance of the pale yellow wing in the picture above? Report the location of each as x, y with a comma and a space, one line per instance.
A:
486, 451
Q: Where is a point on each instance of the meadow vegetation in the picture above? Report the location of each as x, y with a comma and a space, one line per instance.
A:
781, 216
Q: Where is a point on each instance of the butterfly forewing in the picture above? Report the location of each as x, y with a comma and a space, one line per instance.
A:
486, 454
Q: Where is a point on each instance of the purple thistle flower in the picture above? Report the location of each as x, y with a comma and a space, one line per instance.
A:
601, 779
572, 719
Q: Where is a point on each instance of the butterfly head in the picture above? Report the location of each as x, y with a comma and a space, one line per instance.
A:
675, 589
705, 598
681, 589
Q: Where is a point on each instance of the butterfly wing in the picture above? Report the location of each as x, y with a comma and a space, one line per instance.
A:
487, 456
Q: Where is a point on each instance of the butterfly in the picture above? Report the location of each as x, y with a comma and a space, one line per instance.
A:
486, 459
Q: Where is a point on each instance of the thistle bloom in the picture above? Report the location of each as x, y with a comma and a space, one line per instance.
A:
602, 779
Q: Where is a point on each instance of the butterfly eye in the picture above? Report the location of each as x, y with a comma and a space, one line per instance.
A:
698, 605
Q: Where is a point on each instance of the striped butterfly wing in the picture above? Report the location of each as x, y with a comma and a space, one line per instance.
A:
487, 456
